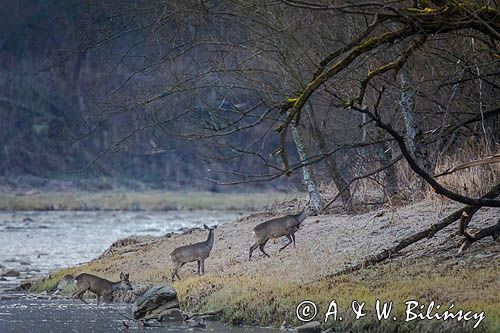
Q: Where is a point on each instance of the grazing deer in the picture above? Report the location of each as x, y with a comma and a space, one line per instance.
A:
277, 227
99, 286
194, 252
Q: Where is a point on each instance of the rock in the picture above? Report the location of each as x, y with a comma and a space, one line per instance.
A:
328, 331
155, 314
128, 244
10, 273
66, 280
171, 315
154, 302
312, 327
129, 296
25, 285
196, 323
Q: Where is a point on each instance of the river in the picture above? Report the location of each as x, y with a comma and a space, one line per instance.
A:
36, 243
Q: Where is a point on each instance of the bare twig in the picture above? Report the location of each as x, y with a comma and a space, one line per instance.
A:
488, 160
366, 175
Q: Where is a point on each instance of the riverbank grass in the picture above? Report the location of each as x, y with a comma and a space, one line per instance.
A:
265, 300
268, 300
148, 200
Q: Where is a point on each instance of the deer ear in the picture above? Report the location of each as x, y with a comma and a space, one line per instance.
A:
205, 226
127, 276
121, 275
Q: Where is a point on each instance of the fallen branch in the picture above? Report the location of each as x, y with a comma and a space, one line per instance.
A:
427, 233
203, 314
464, 222
493, 231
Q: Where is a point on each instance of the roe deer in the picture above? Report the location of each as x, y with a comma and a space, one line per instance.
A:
277, 227
194, 252
99, 286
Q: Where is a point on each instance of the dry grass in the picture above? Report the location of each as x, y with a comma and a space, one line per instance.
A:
265, 299
473, 181
263, 290
150, 200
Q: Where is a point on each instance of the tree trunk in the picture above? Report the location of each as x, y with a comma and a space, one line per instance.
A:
308, 179
390, 173
330, 163
77, 82
413, 122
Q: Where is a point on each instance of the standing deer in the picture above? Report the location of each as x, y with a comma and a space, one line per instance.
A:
99, 286
277, 227
194, 252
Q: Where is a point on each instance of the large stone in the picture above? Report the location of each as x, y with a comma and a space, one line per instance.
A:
312, 327
171, 315
154, 302
129, 296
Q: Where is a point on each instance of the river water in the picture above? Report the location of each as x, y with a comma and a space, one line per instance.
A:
35, 243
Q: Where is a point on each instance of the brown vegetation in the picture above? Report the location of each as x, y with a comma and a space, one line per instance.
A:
262, 290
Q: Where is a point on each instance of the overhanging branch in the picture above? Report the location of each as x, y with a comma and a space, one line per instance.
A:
438, 188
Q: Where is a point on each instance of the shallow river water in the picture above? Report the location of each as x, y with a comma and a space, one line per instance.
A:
31, 316
35, 243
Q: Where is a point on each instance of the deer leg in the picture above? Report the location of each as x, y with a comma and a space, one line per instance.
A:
79, 294
174, 272
81, 299
261, 248
289, 242
252, 248
98, 300
199, 264
202, 266
293, 238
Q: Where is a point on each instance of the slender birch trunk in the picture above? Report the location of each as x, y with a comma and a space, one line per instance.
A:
390, 173
413, 122
308, 178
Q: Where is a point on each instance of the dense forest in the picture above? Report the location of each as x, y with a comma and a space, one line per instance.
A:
363, 97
